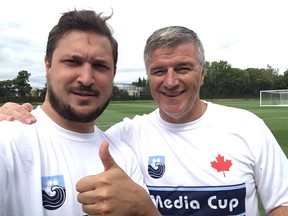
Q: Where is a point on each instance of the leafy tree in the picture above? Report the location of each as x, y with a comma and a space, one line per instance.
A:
38, 93
144, 88
285, 78
140, 83
236, 82
6, 89
260, 79
216, 76
279, 82
119, 94
21, 84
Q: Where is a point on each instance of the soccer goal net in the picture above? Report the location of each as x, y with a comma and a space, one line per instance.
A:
274, 97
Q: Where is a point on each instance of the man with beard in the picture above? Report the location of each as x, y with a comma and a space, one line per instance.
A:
41, 163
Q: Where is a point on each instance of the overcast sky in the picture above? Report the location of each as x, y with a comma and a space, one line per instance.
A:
245, 33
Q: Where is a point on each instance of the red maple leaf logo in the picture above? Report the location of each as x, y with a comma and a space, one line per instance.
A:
221, 165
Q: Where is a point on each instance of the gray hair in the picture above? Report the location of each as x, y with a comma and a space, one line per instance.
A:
172, 36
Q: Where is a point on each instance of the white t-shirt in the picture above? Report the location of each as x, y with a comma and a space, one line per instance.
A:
212, 166
40, 165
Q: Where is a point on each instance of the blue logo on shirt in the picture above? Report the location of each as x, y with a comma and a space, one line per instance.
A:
53, 192
156, 166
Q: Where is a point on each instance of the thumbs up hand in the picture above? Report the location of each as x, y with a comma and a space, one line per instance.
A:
107, 160
113, 192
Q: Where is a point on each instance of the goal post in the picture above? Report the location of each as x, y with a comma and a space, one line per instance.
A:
274, 97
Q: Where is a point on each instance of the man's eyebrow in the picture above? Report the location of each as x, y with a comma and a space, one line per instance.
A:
75, 56
188, 63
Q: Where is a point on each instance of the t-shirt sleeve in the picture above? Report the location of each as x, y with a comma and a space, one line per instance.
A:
271, 172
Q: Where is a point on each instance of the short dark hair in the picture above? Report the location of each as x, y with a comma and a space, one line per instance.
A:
84, 20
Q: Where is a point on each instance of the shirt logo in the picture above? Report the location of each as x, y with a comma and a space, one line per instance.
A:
200, 201
156, 166
221, 165
53, 192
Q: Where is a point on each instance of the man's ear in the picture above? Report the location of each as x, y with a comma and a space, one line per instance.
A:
47, 63
203, 73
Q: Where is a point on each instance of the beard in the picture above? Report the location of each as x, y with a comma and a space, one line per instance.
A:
66, 111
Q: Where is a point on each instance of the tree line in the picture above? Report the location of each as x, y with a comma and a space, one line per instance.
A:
221, 81
224, 81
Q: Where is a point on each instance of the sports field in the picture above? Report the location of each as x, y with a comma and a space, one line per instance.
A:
275, 117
